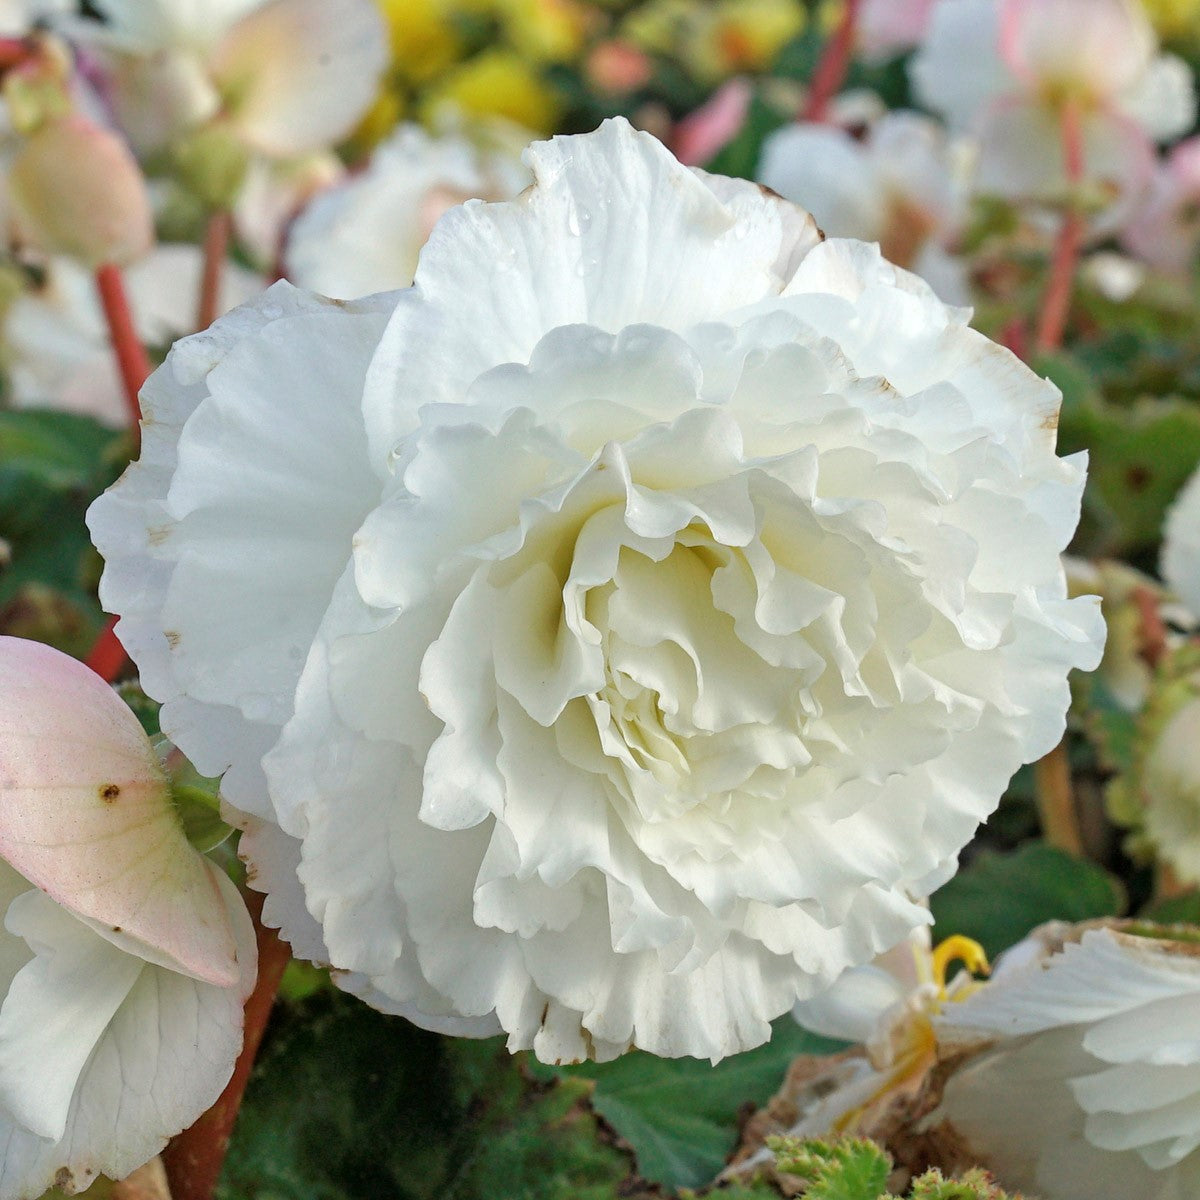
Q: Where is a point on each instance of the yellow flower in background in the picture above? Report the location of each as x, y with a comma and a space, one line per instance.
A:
1174, 18
423, 35
719, 39
544, 30
743, 35
497, 82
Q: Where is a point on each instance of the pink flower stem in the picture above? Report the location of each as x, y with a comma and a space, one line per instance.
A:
132, 360
216, 248
1052, 775
835, 62
1056, 303
195, 1157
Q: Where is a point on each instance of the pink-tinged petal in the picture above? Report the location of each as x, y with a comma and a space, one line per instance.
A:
299, 74
86, 815
703, 133
1165, 229
1100, 47
890, 27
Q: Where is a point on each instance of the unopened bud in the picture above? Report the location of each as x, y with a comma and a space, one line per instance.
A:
77, 190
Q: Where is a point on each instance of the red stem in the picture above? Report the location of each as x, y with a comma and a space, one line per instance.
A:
195, 1157
1056, 304
132, 360
107, 656
216, 248
835, 62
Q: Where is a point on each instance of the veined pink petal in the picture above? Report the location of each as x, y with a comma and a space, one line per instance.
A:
86, 815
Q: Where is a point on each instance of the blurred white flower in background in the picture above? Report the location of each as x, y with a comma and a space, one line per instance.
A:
57, 339
631, 629
1005, 70
364, 235
125, 956
896, 185
283, 77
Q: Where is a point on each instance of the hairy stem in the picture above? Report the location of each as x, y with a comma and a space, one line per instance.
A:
835, 62
216, 248
132, 360
195, 1157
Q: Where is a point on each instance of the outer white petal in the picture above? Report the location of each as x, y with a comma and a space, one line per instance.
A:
179, 519
104, 1056
301, 72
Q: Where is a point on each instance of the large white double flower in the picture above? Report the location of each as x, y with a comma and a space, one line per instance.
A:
632, 617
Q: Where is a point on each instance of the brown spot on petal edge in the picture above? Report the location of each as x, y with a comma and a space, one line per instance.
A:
63, 1179
109, 792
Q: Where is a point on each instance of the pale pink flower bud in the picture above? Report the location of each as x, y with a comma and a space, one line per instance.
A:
77, 190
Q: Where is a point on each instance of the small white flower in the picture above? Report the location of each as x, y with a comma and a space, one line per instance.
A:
59, 354
125, 956
894, 186
287, 77
1092, 1088
631, 630
364, 235
1003, 70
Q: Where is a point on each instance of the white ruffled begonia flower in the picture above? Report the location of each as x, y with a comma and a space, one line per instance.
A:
1092, 1088
286, 77
1003, 70
896, 186
59, 354
626, 622
364, 235
125, 956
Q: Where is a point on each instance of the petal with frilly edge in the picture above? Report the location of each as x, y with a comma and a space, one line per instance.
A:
198, 512
86, 814
103, 1056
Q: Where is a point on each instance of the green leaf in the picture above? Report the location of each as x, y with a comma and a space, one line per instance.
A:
999, 898
60, 450
348, 1104
1139, 458
680, 1115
